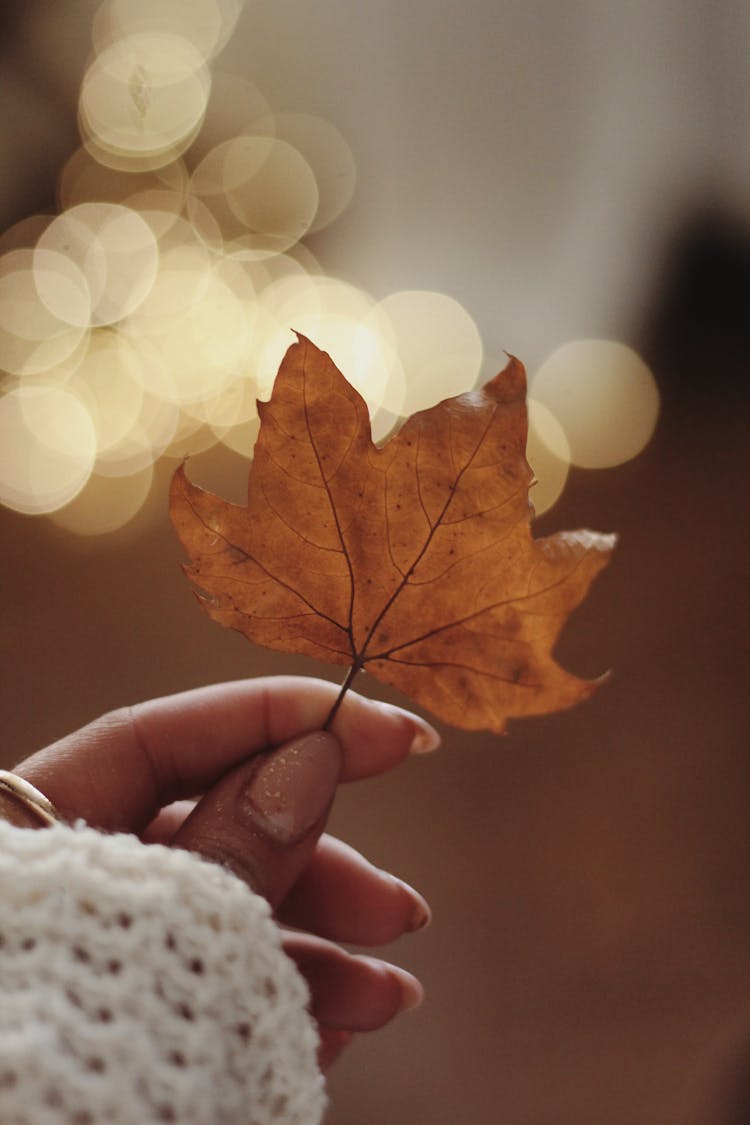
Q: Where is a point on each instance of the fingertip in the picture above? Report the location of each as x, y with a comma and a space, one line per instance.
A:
352, 992
422, 736
417, 909
378, 736
403, 989
411, 989
344, 897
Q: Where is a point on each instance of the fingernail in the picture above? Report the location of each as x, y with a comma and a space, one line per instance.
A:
293, 787
420, 914
412, 993
425, 738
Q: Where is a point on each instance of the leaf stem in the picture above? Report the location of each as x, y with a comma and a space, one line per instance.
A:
355, 668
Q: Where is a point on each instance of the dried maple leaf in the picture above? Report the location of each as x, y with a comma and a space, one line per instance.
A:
414, 559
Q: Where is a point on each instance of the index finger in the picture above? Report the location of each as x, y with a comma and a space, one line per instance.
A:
117, 772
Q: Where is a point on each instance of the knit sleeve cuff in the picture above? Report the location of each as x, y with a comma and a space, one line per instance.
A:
140, 983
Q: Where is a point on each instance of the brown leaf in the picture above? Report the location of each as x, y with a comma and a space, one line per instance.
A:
414, 560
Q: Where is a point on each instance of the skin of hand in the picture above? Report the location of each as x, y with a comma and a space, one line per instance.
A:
243, 774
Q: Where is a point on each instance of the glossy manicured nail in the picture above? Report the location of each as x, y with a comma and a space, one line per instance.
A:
425, 738
412, 993
293, 787
419, 912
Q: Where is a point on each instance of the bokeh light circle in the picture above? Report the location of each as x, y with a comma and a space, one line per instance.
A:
109, 381
437, 343
47, 448
605, 398
260, 190
85, 180
548, 454
115, 250
105, 505
207, 24
235, 108
32, 338
326, 151
62, 287
144, 95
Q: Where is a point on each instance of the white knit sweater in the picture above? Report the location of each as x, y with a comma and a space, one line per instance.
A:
142, 984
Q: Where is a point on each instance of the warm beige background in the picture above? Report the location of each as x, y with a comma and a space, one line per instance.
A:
563, 170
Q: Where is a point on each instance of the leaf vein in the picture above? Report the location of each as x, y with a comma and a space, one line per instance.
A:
264, 569
528, 596
294, 530
350, 628
433, 528
497, 677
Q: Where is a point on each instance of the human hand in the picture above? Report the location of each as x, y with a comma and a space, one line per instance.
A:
242, 774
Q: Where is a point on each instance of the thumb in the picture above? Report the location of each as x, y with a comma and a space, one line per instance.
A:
264, 817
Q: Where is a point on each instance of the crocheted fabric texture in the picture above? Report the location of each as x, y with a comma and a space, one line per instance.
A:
142, 984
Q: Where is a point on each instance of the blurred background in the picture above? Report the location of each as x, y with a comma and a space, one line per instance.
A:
420, 188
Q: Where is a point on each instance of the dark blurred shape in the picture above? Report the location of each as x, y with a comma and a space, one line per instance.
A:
739, 1113
43, 47
12, 16
697, 340
733, 1103
697, 337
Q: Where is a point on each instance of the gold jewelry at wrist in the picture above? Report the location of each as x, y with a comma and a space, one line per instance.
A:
29, 797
